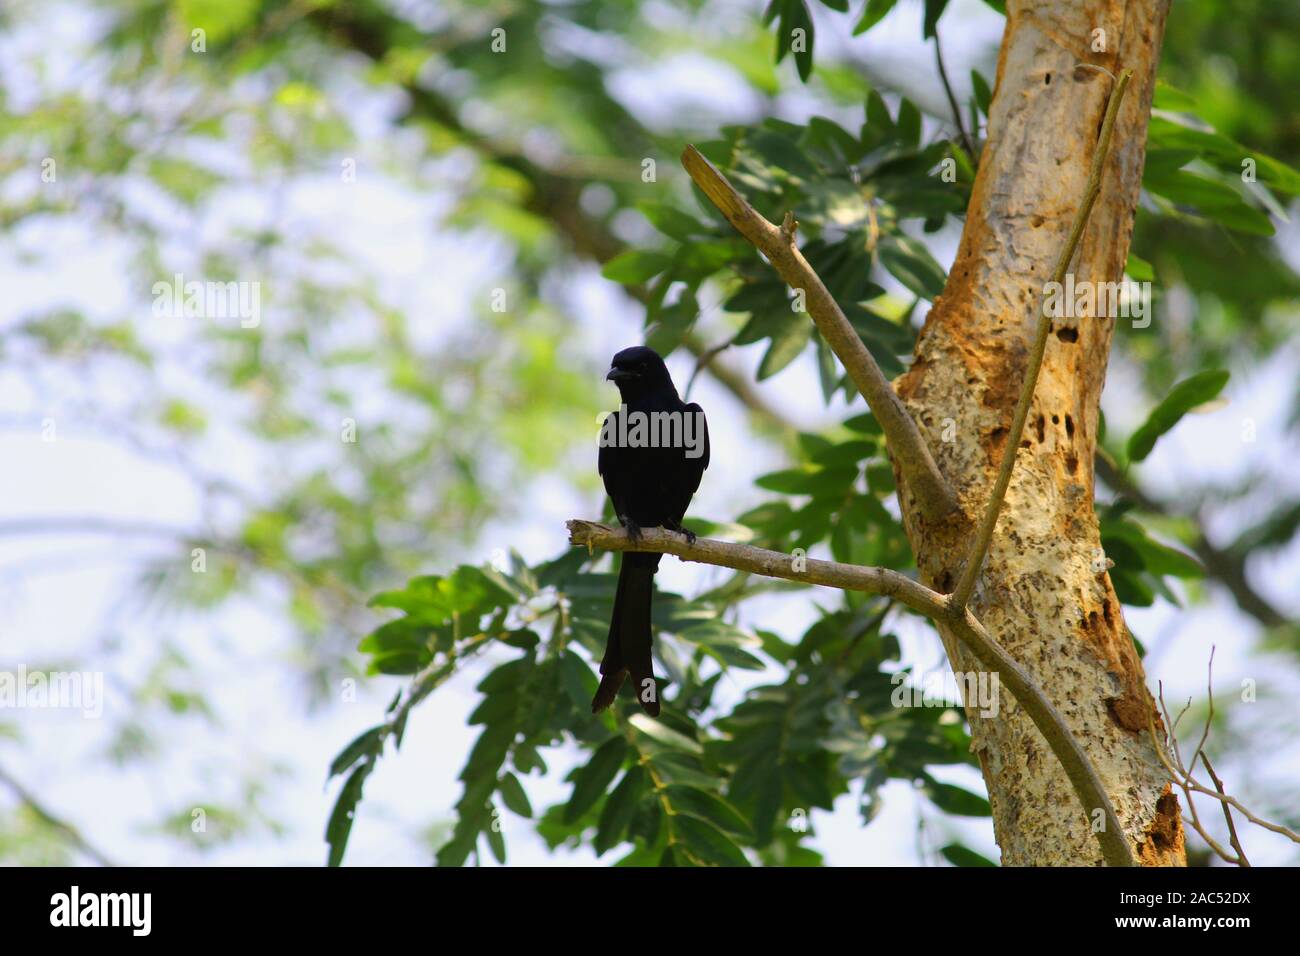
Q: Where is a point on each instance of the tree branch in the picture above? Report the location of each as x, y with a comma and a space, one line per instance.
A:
772, 564
742, 557
69, 832
966, 584
935, 496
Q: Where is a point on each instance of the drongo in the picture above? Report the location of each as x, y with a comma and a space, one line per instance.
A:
653, 451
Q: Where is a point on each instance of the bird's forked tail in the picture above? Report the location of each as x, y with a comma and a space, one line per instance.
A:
627, 649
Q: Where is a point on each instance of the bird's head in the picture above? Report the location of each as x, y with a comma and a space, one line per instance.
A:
637, 371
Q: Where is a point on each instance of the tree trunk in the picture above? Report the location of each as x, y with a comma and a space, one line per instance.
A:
1044, 593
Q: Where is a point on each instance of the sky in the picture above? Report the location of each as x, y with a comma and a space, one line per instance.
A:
63, 592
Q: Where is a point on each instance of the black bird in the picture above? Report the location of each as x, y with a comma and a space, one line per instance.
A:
650, 473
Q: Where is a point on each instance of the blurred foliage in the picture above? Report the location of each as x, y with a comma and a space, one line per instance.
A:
207, 163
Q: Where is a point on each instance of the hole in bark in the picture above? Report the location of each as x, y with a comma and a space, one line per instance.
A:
1110, 616
1164, 828
1067, 333
1056, 419
1047, 80
1037, 221
1039, 427
1069, 427
1072, 463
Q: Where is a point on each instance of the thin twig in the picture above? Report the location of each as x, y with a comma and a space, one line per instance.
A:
1227, 812
69, 832
702, 361
966, 584
935, 497
1179, 774
952, 100
1209, 715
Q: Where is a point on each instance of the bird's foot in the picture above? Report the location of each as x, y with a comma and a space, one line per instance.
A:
633, 529
677, 526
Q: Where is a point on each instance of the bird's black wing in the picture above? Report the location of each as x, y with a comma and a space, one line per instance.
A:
607, 463
688, 472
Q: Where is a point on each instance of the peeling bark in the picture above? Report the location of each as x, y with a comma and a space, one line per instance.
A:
1044, 593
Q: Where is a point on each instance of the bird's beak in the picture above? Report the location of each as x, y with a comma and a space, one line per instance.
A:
617, 375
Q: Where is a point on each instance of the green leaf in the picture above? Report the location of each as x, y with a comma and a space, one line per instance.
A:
1209, 198
1186, 395
707, 842
634, 266
433, 599
878, 119
789, 481
957, 801
1173, 99
801, 19
664, 734
1120, 535
670, 221
709, 808
510, 674
340, 823
872, 14
513, 795
616, 814
366, 743
757, 787
864, 424
221, 19
983, 95
933, 11
578, 680
497, 844
910, 263
590, 782
909, 123
786, 345
959, 855
780, 152
1140, 269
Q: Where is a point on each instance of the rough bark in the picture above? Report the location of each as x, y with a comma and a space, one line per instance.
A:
1044, 593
